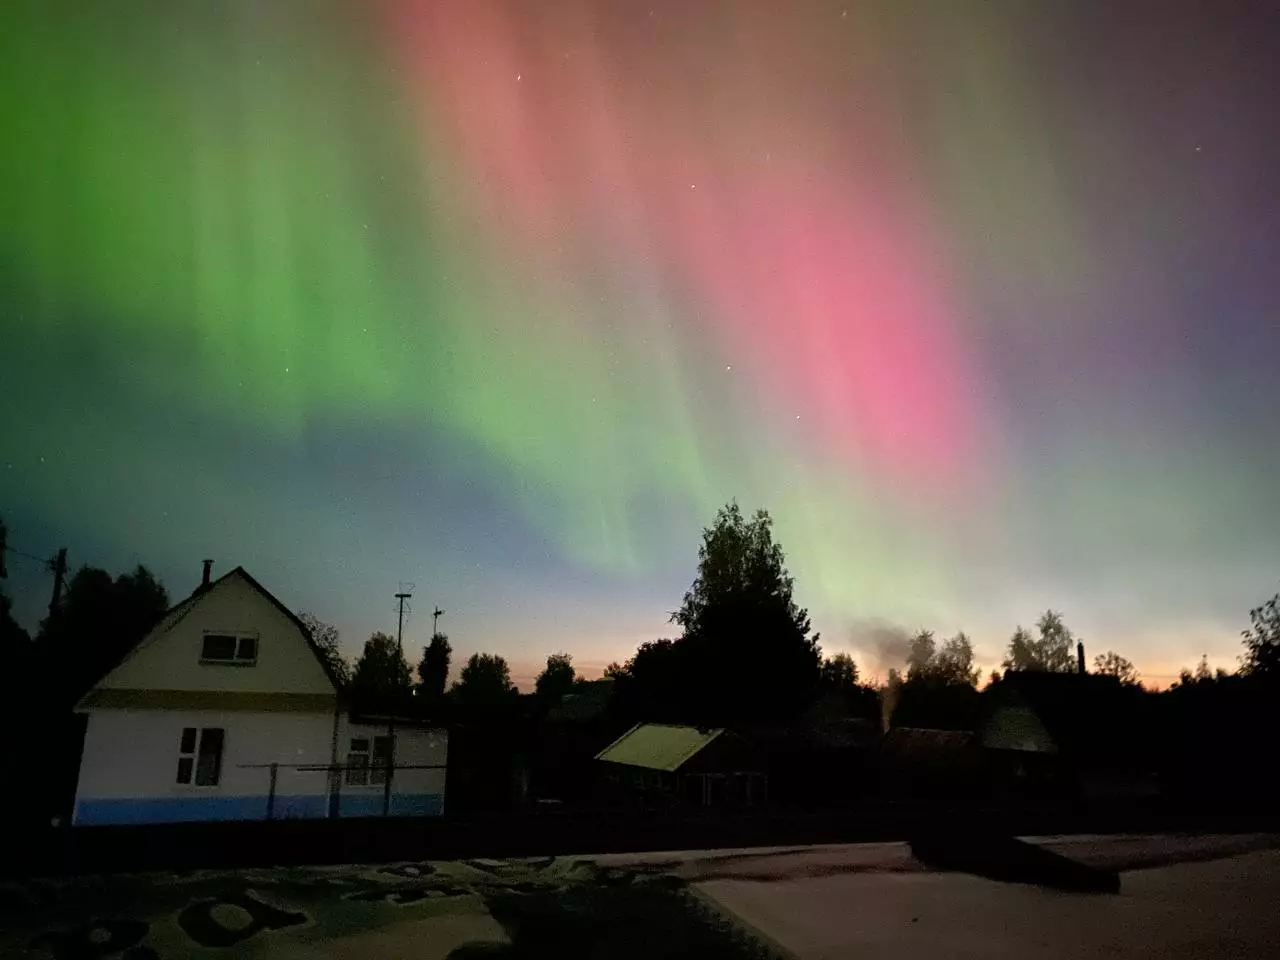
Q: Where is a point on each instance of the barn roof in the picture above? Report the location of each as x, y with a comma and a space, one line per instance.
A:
658, 746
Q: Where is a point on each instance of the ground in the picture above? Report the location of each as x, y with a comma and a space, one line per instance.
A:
1202, 896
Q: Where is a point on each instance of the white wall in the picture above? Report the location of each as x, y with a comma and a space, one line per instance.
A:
171, 660
414, 746
134, 753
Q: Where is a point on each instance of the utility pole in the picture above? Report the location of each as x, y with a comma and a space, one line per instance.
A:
435, 620
59, 567
402, 596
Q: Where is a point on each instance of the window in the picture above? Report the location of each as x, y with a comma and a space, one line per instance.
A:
229, 648
200, 756
381, 757
367, 767
358, 762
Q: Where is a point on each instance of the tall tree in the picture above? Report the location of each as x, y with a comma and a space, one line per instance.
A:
557, 679
614, 670
381, 669
920, 656
948, 665
1022, 650
954, 663
1051, 652
327, 641
484, 684
1111, 664
839, 673
15, 643
746, 649
97, 621
1261, 655
433, 668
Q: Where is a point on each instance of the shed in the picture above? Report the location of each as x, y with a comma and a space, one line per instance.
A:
667, 764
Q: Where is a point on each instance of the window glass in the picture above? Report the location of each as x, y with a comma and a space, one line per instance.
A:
209, 759
248, 649
188, 744
358, 764
381, 757
218, 646
184, 769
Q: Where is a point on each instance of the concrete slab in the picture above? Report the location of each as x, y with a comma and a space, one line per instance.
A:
1220, 908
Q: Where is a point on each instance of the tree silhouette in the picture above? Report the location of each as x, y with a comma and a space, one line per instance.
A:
484, 684
381, 669
326, 639
1051, 652
15, 643
1111, 664
14, 640
433, 668
746, 654
920, 654
97, 622
1203, 673
557, 679
1262, 641
940, 685
952, 663
839, 673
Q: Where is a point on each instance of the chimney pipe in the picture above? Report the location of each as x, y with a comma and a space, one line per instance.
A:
1080, 658
208, 565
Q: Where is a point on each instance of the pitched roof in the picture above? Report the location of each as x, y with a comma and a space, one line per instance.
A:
658, 746
180, 610
1080, 712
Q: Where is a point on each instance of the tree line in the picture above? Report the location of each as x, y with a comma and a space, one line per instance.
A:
744, 653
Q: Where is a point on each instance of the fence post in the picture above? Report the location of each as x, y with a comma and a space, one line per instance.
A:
386, 790
271, 792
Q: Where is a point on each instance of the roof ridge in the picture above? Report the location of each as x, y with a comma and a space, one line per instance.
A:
176, 614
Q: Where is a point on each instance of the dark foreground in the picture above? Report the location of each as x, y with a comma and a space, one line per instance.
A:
301, 842
1206, 896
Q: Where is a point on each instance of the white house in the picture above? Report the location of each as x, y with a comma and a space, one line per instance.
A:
227, 711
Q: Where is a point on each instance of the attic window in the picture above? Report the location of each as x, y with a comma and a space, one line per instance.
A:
229, 648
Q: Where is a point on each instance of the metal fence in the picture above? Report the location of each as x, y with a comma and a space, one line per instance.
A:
338, 776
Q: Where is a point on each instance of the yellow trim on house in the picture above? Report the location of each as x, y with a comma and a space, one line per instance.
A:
109, 698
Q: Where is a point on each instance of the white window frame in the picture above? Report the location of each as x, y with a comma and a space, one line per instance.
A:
192, 758
367, 764
357, 769
239, 657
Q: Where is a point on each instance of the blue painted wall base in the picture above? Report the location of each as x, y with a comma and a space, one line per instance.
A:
188, 809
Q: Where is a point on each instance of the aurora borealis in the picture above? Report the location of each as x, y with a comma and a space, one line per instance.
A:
504, 299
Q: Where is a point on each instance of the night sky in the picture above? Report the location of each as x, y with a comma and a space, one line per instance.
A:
980, 300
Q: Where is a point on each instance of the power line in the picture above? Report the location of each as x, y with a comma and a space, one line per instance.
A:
47, 561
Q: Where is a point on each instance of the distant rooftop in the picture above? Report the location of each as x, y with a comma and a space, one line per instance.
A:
658, 746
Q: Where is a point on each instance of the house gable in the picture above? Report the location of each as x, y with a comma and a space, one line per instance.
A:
169, 660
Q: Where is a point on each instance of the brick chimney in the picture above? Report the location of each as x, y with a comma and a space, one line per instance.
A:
1080, 659
208, 566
